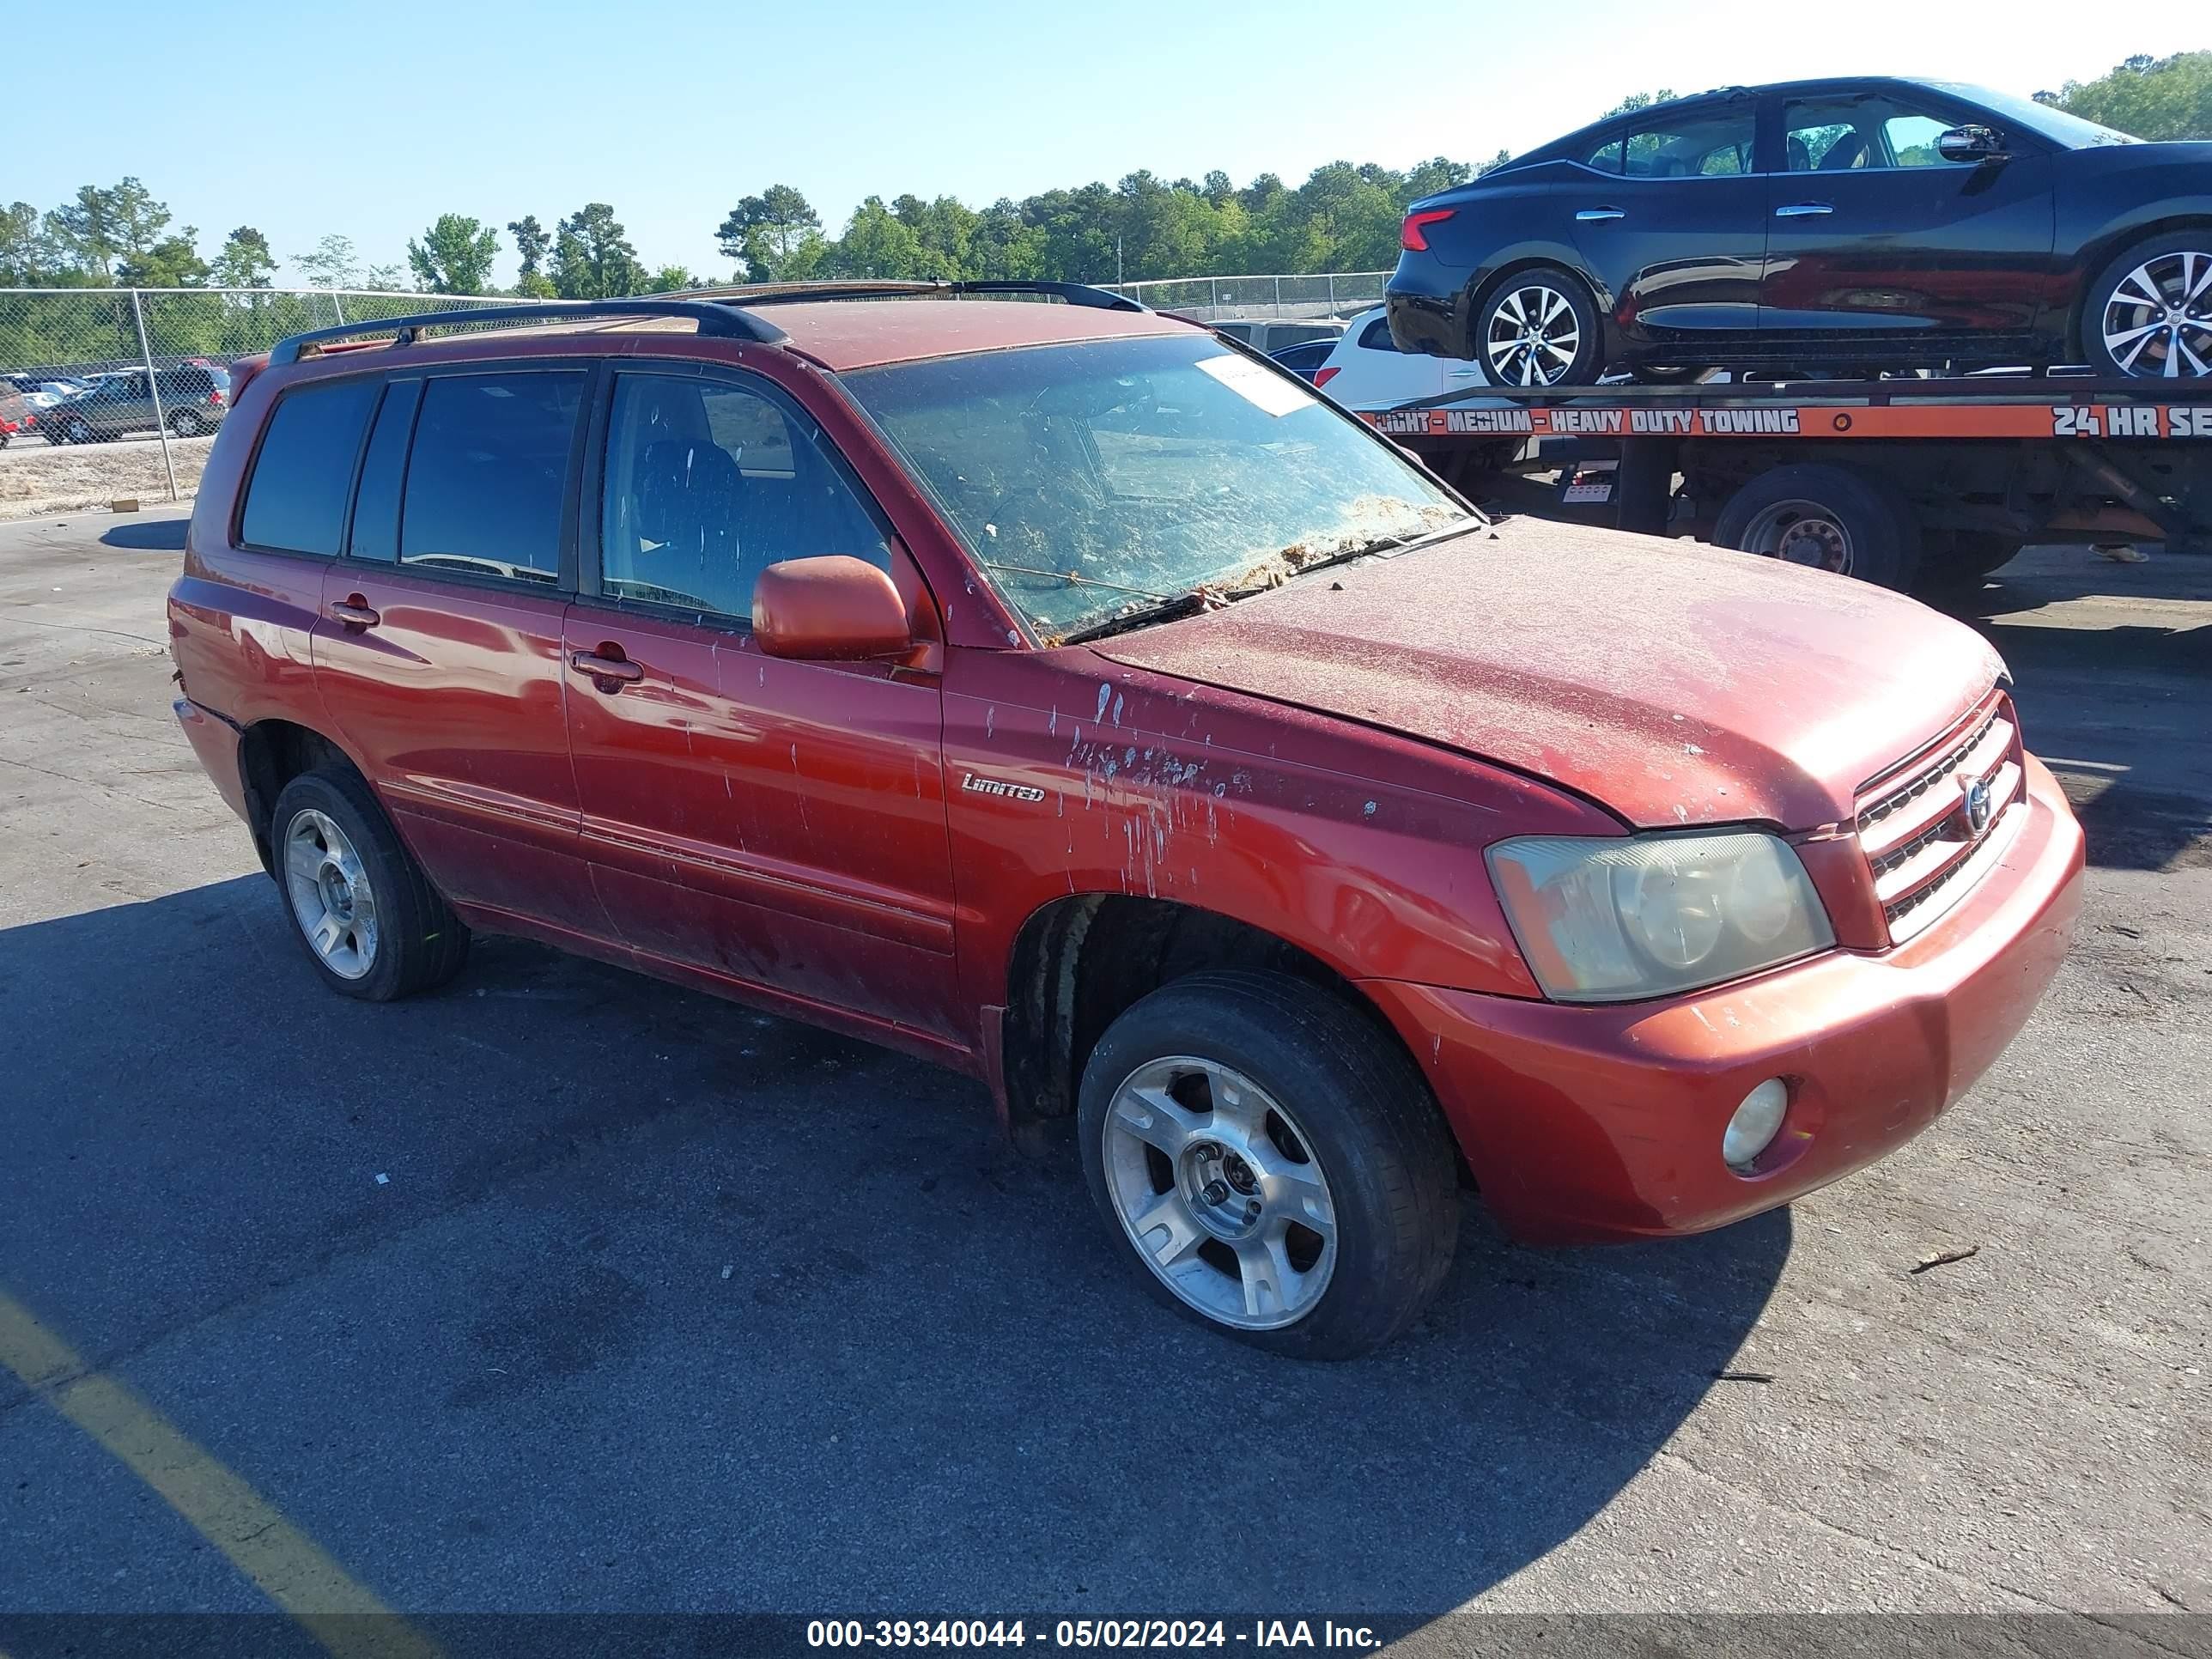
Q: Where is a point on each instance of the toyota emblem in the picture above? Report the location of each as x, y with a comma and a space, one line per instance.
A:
1978, 805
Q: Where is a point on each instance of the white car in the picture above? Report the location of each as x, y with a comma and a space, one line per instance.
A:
1366, 371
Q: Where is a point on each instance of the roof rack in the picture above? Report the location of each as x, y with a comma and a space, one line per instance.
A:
1074, 294
713, 318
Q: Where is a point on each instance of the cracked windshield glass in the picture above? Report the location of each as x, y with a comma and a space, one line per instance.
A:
1099, 482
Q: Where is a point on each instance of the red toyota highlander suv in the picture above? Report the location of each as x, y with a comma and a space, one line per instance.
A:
1058, 693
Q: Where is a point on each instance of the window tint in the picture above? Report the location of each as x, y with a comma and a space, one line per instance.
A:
707, 485
1841, 135
486, 473
1376, 337
1692, 146
1605, 158
296, 501
1912, 141
376, 504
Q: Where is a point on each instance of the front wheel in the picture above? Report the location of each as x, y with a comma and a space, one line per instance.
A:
1537, 327
1270, 1162
368, 919
186, 424
2148, 312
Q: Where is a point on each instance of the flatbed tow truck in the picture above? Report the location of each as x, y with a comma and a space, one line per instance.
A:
1922, 484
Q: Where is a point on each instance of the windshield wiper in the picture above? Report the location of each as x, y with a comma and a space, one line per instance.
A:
1389, 544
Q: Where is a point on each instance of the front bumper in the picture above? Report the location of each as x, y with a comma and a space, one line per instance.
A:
1592, 1123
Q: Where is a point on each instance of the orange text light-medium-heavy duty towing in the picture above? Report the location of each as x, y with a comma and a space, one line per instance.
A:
1912, 483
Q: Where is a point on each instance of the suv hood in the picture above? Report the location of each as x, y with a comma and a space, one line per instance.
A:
1671, 683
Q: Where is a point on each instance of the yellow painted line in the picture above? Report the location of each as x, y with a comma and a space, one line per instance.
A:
288, 1565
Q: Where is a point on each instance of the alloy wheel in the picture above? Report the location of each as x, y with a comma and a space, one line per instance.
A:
330, 893
1532, 337
1220, 1192
2158, 318
1800, 532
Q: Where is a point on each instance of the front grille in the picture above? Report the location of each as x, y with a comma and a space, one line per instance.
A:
1917, 826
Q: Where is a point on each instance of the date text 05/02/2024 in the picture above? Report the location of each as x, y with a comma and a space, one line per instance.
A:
1257, 1634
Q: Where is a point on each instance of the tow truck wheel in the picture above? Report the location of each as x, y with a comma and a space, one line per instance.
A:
1829, 518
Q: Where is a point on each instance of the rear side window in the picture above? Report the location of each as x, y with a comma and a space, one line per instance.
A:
488, 472
296, 500
1692, 147
375, 532
1605, 158
1376, 337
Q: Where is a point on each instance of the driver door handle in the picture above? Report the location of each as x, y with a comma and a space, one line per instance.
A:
352, 612
606, 668
1803, 210
1592, 216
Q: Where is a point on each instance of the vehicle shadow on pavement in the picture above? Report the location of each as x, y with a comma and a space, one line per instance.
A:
150, 535
564, 1290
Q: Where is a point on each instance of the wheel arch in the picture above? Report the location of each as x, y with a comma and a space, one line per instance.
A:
2107, 245
1077, 960
1561, 257
270, 754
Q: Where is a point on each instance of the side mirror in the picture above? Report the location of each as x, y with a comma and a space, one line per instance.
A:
1971, 144
833, 608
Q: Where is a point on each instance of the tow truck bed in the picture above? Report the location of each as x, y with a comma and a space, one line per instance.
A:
1923, 483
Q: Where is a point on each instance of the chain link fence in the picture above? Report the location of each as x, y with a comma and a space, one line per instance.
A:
1211, 299
114, 393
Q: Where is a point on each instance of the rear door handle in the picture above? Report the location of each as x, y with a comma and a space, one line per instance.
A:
1592, 216
1803, 210
606, 668
353, 612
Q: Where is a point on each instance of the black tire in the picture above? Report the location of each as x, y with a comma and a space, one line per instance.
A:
2151, 362
420, 943
1959, 561
1657, 374
1879, 540
1588, 362
1368, 1118
186, 423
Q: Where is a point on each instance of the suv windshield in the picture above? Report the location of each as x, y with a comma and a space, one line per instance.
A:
1100, 480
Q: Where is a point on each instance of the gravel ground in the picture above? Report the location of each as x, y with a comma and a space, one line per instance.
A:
563, 1290
38, 479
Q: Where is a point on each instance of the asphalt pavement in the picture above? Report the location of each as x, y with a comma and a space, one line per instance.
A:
563, 1291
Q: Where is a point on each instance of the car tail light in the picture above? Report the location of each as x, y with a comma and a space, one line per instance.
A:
215, 398
1412, 235
1323, 376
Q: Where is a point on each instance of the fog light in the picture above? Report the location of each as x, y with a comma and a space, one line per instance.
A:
1756, 1122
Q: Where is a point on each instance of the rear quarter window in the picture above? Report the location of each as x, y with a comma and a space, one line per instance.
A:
486, 476
295, 501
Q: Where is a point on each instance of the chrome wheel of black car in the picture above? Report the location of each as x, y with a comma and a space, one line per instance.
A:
1533, 336
2156, 320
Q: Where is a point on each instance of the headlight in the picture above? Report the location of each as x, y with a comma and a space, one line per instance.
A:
1608, 919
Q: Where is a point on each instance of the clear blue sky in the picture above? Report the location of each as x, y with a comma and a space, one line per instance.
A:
371, 119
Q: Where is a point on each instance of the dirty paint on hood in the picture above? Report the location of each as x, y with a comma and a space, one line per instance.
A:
1674, 684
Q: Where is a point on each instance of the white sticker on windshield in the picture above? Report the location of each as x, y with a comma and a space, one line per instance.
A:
1277, 394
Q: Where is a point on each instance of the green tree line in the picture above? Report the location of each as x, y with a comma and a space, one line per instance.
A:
1345, 216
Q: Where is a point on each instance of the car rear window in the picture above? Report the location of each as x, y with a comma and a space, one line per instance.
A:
296, 500
487, 474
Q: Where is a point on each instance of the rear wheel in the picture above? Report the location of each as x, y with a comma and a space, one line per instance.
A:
1537, 327
1270, 1162
1829, 518
359, 905
186, 424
